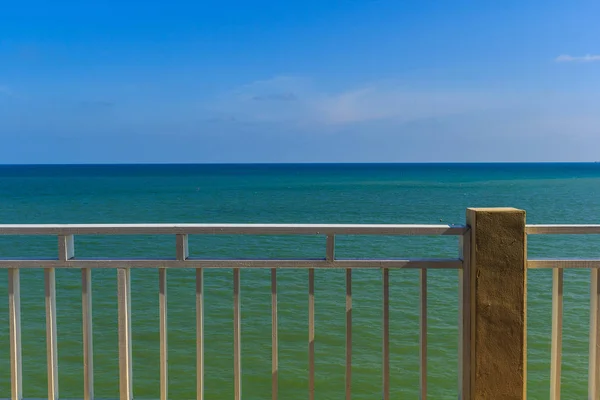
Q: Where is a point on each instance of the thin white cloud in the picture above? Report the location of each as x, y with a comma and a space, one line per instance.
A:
299, 101
586, 58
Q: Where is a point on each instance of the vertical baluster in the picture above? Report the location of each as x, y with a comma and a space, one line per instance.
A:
14, 306
274, 339
125, 357
423, 334
51, 344
594, 354
65, 252
182, 254
88, 352
464, 317
182, 250
237, 350
348, 334
164, 349
557, 317
386, 334
330, 250
311, 333
200, 333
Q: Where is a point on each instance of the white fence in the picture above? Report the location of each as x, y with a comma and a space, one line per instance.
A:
558, 266
67, 259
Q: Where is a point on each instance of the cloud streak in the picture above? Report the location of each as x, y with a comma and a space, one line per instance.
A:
276, 97
298, 102
586, 58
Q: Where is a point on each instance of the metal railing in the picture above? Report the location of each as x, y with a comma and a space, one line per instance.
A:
67, 259
558, 266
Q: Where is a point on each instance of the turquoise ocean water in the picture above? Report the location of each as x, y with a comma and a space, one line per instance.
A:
426, 194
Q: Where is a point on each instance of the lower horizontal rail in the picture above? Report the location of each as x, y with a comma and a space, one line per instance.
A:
558, 263
204, 263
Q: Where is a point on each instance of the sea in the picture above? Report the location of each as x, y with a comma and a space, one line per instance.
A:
308, 193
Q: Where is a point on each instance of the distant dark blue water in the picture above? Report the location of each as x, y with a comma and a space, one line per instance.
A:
326, 193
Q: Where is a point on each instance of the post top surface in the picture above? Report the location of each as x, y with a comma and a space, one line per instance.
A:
494, 209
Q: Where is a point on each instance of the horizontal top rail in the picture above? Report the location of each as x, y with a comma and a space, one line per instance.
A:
562, 229
417, 263
564, 263
232, 229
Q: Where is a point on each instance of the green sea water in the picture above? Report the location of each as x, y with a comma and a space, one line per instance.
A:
425, 194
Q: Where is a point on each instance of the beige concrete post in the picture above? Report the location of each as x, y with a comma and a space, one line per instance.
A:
498, 304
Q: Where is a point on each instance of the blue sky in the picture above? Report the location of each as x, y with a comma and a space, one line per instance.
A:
299, 81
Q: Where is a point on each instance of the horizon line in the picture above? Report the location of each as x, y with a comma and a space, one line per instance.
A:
296, 163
